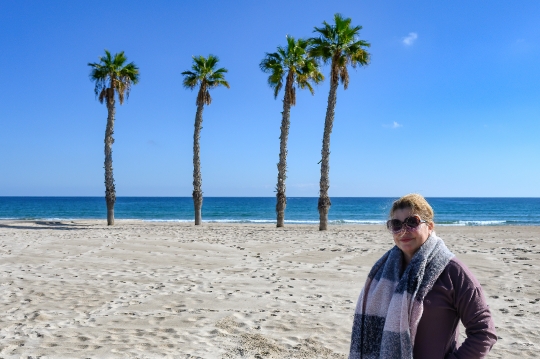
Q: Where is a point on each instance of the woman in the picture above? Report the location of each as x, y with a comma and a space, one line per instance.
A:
416, 294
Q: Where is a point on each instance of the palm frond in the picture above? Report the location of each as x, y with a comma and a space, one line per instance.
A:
273, 64
102, 95
339, 45
205, 75
309, 73
304, 85
344, 77
111, 72
218, 82
291, 61
277, 88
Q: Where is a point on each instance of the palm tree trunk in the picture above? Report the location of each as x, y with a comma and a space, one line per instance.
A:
197, 178
324, 201
110, 191
282, 165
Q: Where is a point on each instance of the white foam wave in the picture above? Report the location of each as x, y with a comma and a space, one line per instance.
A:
272, 221
473, 223
164, 220
351, 221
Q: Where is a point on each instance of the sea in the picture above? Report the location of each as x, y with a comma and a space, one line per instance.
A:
301, 210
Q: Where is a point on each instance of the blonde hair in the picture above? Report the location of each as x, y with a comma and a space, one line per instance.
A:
418, 205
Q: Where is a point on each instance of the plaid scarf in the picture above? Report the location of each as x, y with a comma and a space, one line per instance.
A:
390, 305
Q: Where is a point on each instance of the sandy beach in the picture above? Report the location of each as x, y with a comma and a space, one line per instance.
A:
80, 289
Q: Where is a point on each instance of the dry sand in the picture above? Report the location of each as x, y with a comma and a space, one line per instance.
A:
150, 290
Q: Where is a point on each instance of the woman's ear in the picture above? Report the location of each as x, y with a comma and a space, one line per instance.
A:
431, 225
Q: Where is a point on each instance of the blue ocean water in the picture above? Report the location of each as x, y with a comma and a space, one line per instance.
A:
344, 210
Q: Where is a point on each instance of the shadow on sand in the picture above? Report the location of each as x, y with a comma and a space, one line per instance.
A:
45, 225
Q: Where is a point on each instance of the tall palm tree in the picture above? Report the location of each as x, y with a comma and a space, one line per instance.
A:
337, 44
293, 64
112, 76
205, 75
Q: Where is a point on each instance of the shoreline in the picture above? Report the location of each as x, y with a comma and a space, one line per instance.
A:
271, 223
450, 211
167, 289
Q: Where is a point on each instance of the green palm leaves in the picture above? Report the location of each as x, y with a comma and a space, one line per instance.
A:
339, 45
292, 60
205, 75
111, 72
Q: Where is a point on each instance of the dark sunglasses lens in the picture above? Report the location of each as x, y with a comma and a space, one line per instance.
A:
394, 225
412, 222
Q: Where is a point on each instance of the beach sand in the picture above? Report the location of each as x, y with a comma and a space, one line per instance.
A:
80, 289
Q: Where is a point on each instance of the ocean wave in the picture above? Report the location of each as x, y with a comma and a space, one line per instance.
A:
290, 221
354, 221
302, 210
161, 220
273, 221
473, 223
239, 221
213, 220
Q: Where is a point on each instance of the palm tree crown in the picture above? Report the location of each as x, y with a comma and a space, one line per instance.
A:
293, 60
339, 45
206, 76
111, 73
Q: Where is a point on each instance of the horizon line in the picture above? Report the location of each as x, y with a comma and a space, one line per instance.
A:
53, 196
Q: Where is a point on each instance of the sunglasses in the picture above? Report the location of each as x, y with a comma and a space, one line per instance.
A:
412, 222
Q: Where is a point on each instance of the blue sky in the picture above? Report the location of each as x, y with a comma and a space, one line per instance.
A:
449, 105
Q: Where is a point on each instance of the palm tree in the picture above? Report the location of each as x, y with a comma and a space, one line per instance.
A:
112, 76
205, 75
298, 69
337, 44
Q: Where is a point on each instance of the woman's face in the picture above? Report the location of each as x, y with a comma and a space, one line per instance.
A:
410, 240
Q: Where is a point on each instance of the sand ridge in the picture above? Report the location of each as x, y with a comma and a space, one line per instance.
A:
74, 289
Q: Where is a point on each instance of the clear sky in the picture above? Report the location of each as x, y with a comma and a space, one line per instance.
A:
448, 106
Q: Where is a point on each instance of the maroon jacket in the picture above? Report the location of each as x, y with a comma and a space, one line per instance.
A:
456, 295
